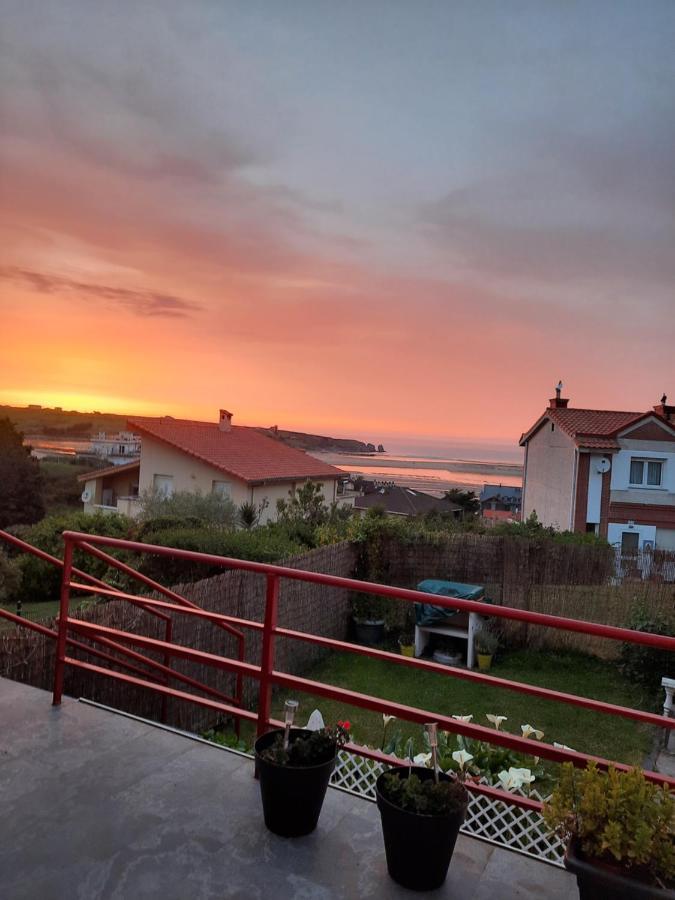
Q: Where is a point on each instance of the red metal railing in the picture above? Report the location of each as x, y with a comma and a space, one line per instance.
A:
269, 677
164, 672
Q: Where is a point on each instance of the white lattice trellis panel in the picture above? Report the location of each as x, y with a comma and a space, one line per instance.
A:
518, 829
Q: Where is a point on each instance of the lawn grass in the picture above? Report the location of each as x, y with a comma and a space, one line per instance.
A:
584, 730
39, 612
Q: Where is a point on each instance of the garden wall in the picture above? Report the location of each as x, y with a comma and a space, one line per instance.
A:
29, 657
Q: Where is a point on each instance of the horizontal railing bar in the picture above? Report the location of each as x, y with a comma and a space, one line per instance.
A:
49, 632
182, 610
27, 623
55, 561
148, 582
487, 609
180, 652
163, 689
447, 723
480, 678
472, 786
165, 670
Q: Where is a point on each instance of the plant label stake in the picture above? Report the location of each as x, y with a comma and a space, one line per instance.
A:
432, 732
290, 707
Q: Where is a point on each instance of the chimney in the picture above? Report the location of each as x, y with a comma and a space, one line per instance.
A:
666, 412
558, 402
225, 420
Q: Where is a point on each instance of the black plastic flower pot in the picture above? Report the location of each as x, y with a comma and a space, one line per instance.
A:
369, 633
596, 881
292, 796
418, 847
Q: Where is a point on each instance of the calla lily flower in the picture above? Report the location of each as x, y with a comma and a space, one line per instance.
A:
514, 778
496, 720
422, 759
508, 781
525, 776
529, 730
461, 757
463, 718
387, 719
564, 747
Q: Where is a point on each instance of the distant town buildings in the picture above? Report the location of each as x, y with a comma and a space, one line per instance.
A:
397, 500
119, 448
500, 503
602, 471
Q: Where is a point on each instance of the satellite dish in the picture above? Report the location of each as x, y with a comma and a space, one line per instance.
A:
86, 496
604, 465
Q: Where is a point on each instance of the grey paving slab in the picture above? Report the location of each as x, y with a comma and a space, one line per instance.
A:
97, 806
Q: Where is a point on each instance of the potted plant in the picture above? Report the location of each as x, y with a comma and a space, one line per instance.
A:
368, 613
422, 811
406, 639
486, 643
620, 832
294, 766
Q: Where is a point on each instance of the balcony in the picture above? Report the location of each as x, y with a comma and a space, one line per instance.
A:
97, 804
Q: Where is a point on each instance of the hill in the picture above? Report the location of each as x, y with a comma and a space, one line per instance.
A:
68, 424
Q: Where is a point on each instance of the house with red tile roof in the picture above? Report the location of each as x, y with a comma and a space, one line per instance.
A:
235, 461
603, 471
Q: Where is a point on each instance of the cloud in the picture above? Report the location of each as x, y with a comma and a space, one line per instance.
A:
144, 303
573, 208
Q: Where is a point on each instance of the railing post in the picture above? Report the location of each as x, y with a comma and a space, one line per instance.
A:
60, 663
267, 654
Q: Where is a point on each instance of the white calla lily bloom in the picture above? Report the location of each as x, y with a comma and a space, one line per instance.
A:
496, 720
461, 757
422, 759
463, 718
529, 730
514, 778
387, 719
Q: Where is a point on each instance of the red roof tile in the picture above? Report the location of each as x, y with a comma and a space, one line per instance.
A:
594, 428
241, 451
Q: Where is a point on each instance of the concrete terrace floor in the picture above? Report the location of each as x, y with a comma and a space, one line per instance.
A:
98, 805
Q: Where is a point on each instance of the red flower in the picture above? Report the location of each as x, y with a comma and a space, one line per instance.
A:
345, 725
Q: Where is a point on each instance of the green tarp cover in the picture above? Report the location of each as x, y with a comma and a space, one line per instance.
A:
426, 614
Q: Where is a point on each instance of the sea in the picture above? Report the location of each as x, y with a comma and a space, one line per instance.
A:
431, 474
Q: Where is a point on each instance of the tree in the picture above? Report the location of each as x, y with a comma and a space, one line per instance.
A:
466, 499
306, 504
20, 480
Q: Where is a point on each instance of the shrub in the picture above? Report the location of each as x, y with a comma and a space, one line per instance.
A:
10, 577
369, 607
616, 817
212, 509
267, 544
642, 664
40, 580
424, 797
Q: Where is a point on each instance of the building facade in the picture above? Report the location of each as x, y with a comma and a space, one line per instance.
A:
236, 462
603, 471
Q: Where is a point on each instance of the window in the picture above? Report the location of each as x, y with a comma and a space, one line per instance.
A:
163, 485
221, 488
646, 472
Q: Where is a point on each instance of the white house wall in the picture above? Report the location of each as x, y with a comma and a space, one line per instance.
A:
622, 492
549, 477
193, 475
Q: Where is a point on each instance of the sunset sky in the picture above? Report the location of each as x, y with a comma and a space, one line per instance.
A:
396, 221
